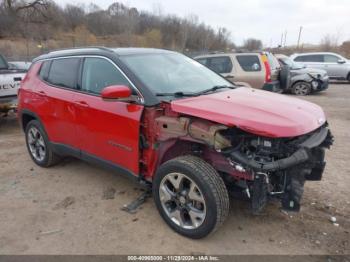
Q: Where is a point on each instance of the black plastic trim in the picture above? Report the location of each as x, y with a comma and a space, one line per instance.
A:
65, 150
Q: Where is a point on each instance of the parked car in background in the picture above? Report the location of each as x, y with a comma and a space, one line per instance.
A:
10, 79
337, 66
176, 126
304, 80
22, 65
259, 70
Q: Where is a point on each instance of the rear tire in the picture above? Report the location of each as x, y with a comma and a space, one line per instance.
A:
348, 78
190, 196
301, 88
38, 145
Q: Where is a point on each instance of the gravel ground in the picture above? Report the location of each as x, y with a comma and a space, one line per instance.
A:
75, 208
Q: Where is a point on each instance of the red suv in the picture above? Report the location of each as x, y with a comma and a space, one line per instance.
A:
169, 122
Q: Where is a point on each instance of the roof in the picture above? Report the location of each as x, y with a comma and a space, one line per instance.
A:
229, 53
136, 50
100, 50
315, 53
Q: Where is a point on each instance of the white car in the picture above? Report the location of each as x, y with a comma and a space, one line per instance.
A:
10, 79
336, 66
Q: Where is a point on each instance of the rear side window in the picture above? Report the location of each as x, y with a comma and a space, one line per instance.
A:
331, 59
274, 64
3, 64
64, 72
99, 73
309, 58
220, 64
44, 70
249, 63
203, 61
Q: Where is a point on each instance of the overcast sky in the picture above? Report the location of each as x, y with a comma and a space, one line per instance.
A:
262, 19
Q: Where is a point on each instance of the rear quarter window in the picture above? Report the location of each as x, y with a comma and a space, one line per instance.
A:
249, 63
3, 63
44, 70
64, 72
203, 61
273, 61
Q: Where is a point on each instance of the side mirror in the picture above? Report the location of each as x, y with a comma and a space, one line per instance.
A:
115, 92
341, 61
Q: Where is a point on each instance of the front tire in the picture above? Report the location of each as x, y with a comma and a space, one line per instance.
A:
301, 88
38, 145
190, 196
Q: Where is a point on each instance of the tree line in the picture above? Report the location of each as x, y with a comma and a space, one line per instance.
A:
42, 20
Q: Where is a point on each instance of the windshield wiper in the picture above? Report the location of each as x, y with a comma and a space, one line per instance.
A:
214, 88
180, 94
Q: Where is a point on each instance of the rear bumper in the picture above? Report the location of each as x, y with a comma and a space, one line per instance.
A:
8, 99
273, 86
7, 103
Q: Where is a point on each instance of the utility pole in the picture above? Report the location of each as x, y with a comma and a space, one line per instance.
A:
285, 38
301, 28
281, 45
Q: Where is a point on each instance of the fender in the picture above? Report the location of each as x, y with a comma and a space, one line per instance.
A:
29, 113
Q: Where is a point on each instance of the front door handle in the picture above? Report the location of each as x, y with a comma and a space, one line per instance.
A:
81, 103
41, 93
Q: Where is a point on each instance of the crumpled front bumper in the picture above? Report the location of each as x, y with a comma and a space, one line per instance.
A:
319, 84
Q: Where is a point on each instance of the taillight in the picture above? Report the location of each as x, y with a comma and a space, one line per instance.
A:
267, 68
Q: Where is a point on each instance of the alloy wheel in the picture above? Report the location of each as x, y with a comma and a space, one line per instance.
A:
301, 89
36, 144
182, 200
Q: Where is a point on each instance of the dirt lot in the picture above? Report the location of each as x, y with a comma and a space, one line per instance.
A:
74, 208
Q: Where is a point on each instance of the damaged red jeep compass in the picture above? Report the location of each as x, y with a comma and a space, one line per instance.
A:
171, 123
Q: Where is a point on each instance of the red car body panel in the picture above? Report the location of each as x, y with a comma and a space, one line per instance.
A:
258, 112
53, 105
109, 130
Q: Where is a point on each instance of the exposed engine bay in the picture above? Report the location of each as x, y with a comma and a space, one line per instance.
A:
258, 167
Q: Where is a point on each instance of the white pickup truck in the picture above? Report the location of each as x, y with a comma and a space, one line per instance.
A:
10, 79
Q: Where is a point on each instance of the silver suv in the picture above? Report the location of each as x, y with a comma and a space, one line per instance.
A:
336, 66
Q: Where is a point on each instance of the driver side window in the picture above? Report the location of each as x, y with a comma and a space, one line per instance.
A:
99, 73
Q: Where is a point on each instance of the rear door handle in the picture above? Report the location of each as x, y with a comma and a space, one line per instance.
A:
81, 103
17, 79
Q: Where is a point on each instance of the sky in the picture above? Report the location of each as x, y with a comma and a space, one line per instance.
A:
262, 19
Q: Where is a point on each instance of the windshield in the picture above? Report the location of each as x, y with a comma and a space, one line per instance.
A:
289, 62
173, 73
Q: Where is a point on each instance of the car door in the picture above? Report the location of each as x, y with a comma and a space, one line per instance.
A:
108, 130
250, 70
53, 98
334, 69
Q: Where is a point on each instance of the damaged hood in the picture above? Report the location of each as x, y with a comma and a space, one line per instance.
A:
255, 111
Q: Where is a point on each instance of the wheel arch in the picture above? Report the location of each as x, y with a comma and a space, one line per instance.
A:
176, 147
26, 116
299, 81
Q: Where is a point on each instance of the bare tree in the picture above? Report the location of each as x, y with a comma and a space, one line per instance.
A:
252, 44
329, 42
